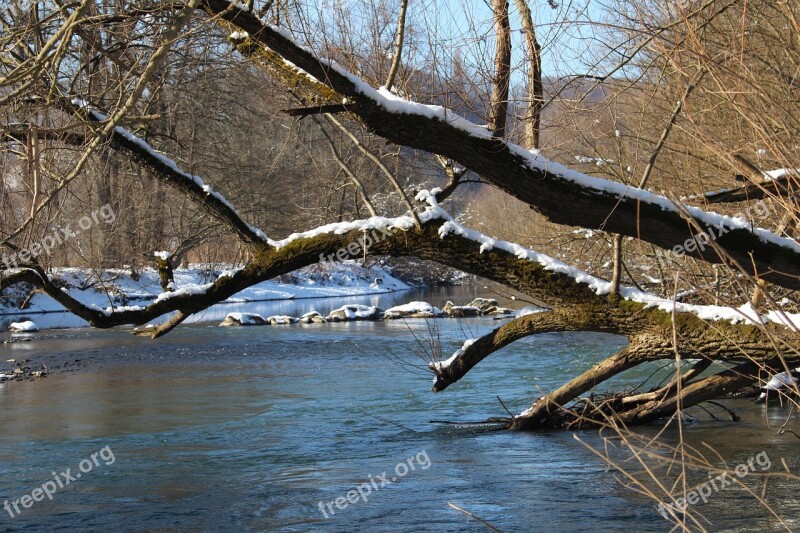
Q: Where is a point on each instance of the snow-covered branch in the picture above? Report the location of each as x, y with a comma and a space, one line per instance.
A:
563, 195
168, 171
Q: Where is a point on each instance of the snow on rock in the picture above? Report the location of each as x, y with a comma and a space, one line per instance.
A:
279, 320
780, 381
355, 312
243, 319
413, 310
460, 311
312, 317
484, 304
26, 326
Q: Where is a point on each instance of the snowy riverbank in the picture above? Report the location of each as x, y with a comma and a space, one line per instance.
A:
119, 288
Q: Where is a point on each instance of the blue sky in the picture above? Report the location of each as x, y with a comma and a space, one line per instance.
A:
465, 28
564, 33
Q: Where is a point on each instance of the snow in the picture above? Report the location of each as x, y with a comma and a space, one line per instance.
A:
770, 175
355, 311
337, 228
441, 365
23, 327
162, 255
597, 161
779, 381
412, 308
240, 6
185, 291
529, 310
117, 288
246, 318
281, 319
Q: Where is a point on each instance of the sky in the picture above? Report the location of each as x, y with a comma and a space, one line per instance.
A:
465, 28
564, 33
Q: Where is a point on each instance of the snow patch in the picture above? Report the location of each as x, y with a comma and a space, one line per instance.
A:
442, 365
412, 308
27, 326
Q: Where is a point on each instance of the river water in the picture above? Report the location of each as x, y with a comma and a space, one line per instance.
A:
258, 429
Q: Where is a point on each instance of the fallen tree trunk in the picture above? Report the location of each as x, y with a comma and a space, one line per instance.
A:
653, 333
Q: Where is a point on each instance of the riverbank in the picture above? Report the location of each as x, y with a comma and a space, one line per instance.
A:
62, 344
115, 288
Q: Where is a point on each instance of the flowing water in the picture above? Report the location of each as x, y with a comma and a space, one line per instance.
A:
264, 428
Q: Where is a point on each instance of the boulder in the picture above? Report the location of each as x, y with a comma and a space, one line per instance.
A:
23, 327
460, 311
355, 312
484, 304
312, 318
499, 311
280, 320
413, 310
243, 319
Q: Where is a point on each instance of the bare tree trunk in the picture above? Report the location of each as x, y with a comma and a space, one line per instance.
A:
33, 165
398, 45
665, 133
533, 115
616, 277
498, 105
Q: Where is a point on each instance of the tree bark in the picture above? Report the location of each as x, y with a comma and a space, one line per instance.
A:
533, 115
498, 105
398, 45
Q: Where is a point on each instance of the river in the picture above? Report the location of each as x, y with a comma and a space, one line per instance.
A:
263, 428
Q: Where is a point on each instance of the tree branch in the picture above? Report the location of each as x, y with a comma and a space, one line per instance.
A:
562, 195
